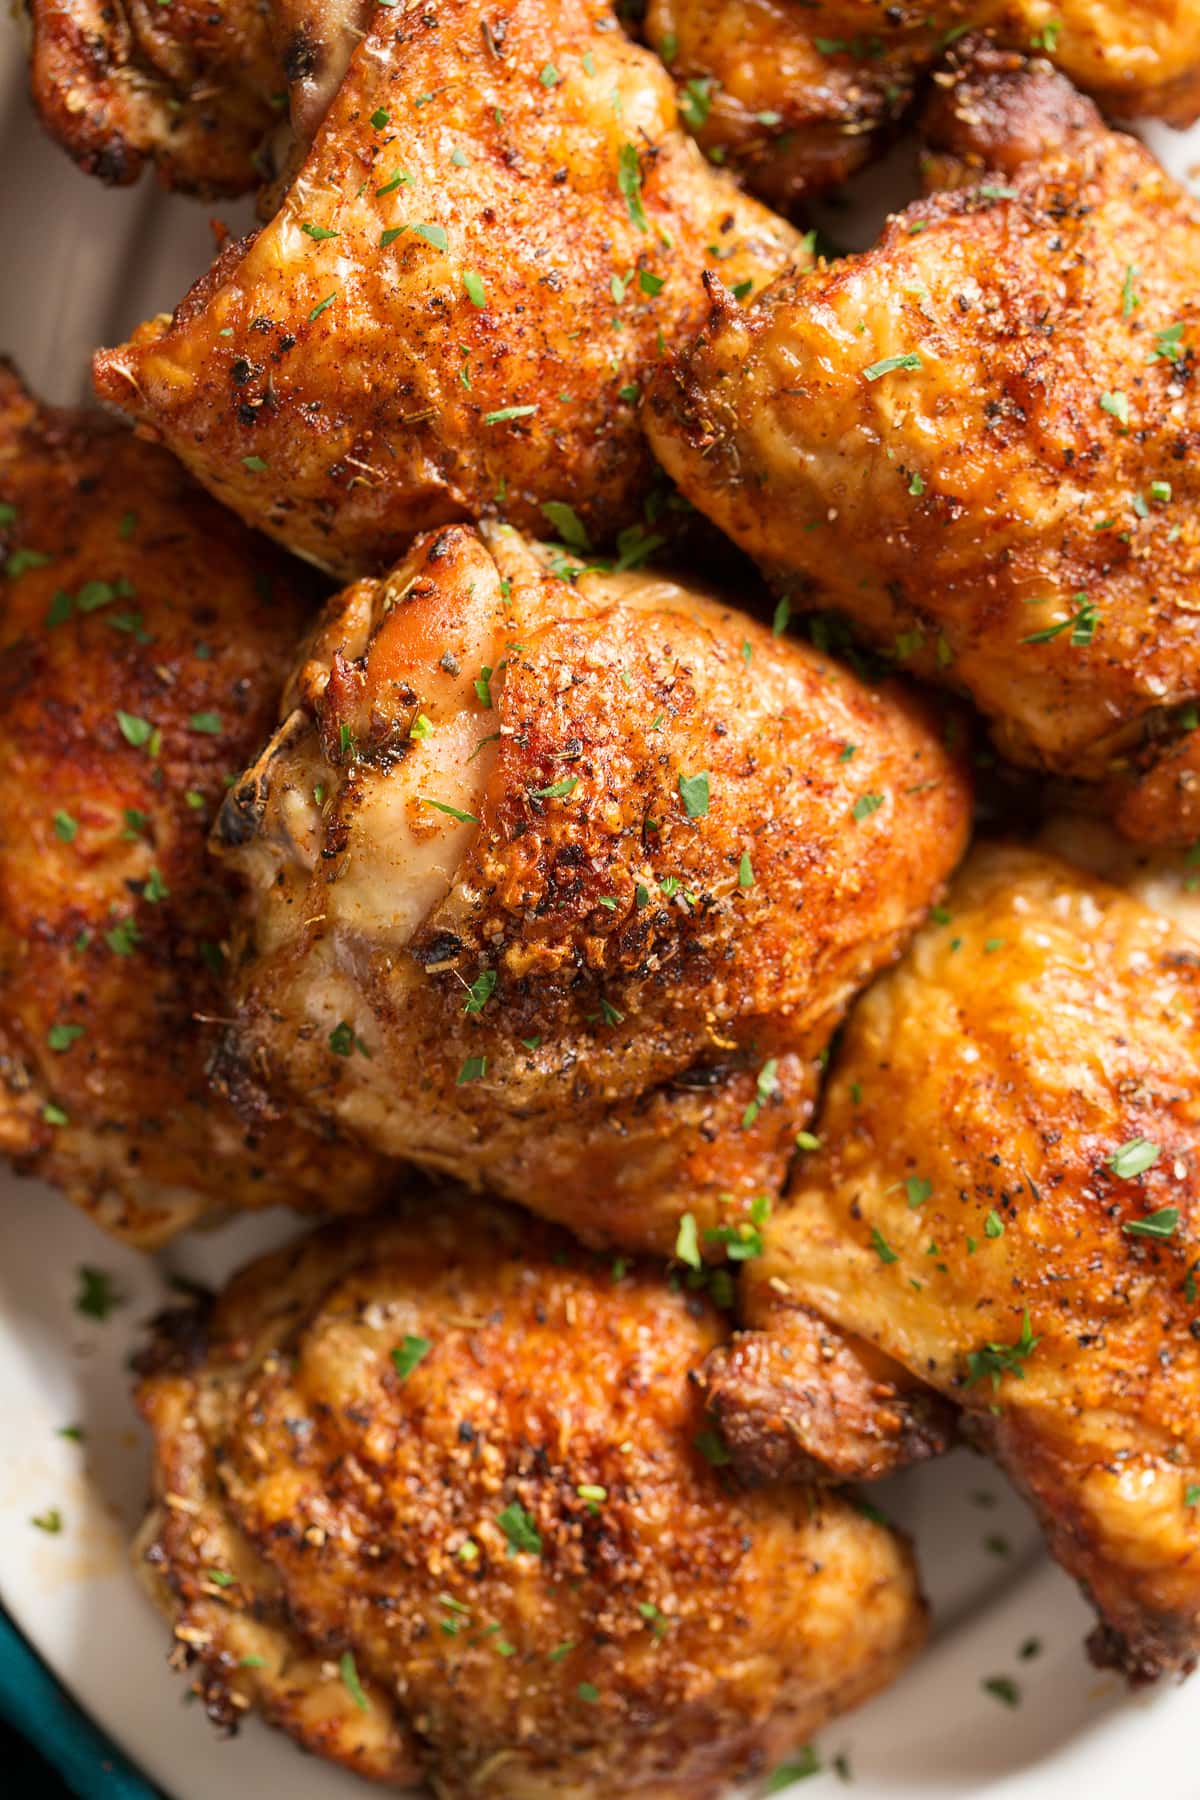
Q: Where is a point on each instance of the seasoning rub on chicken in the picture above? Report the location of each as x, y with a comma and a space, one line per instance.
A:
144, 636
435, 1494
562, 885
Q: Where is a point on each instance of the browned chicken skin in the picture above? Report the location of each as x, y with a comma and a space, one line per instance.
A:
144, 636
979, 439
1005, 1203
190, 86
498, 229
799, 94
562, 887
429, 1494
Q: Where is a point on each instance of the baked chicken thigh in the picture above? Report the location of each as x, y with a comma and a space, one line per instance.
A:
562, 886
498, 229
192, 87
144, 637
434, 1493
979, 438
799, 93
1005, 1205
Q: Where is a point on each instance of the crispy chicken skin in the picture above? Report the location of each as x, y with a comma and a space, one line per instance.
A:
563, 887
799, 93
428, 1494
979, 439
144, 636
186, 85
1005, 1203
498, 229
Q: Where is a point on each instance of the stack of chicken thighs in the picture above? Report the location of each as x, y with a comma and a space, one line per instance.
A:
554, 743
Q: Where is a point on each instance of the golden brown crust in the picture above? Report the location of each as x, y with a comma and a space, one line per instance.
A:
543, 1585
129, 605
486, 931
798, 94
510, 251
180, 83
999, 404
970, 1216
776, 90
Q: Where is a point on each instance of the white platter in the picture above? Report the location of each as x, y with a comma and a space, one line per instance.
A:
80, 266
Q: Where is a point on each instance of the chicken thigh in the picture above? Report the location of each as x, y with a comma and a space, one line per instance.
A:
192, 87
1005, 1203
435, 1494
498, 229
562, 886
798, 94
144, 637
979, 438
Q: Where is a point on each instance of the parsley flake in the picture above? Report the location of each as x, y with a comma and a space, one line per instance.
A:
1133, 1158
997, 1360
98, 1295
910, 360
519, 1529
348, 1669
694, 792
407, 1355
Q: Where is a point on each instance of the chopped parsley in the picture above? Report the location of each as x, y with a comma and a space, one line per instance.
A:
474, 1069
712, 1448
1161, 1224
694, 792
344, 1041
508, 412
1168, 344
567, 523
1133, 1158
1002, 1688
996, 1360
764, 1087
864, 806
629, 180
136, 732
1081, 624
348, 1670
519, 1529
407, 1355
881, 1247
687, 1241
1129, 294
464, 818
481, 991
98, 1295
889, 365
799, 1769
